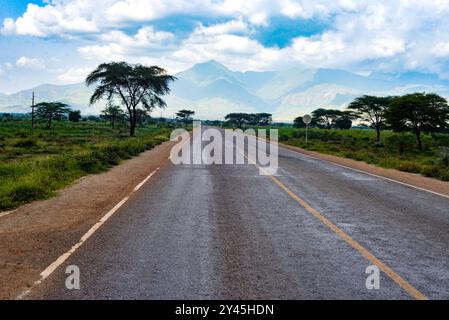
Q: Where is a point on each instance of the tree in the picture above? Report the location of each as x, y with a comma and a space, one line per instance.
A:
132, 85
344, 120
238, 119
112, 113
419, 112
50, 111
263, 119
371, 109
298, 122
75, 116
325, 117
185, 116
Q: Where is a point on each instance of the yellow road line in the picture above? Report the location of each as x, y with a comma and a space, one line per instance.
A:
412, 291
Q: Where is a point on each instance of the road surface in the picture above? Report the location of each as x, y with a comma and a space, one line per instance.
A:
226, 232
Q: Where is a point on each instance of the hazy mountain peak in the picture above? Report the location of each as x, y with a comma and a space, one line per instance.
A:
206, 73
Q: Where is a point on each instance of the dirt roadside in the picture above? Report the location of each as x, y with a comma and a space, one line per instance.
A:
404, 177
36, 234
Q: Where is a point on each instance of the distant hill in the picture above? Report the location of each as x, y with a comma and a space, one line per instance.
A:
212, 90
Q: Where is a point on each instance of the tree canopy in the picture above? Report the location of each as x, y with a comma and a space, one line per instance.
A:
256, 119
325, 117
185, 115
372, 110
135, 86
298, 122
75, 116
112, 113
50, 111
419, 112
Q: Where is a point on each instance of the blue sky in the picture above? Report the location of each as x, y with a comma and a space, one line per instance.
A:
60, 41
15, 8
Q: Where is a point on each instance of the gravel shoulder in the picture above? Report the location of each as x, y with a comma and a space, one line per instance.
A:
35, 234
416, 180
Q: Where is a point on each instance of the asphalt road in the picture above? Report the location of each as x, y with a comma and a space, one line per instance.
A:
226, 232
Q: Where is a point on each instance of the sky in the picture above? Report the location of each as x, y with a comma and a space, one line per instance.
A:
61, 41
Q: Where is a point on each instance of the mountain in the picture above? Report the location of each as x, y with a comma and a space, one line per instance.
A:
213, 90
75, 95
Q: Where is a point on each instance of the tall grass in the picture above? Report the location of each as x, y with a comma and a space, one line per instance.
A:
395, 150
34, 164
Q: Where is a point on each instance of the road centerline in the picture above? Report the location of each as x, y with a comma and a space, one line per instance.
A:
404, 284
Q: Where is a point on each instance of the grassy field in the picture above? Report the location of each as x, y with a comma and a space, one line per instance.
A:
395, 150
34, 163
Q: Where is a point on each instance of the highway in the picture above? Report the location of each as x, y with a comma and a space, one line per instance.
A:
227, 232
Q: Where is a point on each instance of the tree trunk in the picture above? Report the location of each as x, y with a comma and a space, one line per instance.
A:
132, 129
49, 122
418, 138
378, 133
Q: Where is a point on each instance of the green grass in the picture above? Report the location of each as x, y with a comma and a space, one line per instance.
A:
35, 163
397, 151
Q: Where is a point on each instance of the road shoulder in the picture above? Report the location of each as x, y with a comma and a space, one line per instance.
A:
34, 235
412, 179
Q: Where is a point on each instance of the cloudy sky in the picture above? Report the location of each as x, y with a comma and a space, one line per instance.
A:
60, 41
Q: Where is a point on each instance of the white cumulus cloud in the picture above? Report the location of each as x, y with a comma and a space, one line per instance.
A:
30, 63
74, 75
362, 35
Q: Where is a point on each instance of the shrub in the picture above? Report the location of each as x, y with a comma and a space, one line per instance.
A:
444, 156
26, 143
401, 142
410, 166
444, 175
283, 137
22, 193
431, 171
89, 163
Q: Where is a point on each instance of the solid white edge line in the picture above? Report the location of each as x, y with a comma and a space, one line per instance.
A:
59, 261
367, 173
145, 180
285, 147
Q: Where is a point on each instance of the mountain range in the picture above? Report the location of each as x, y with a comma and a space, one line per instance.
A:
213, 90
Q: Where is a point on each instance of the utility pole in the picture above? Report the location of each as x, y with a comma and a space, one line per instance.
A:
32, 111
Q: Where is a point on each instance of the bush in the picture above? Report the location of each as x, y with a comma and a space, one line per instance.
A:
410, 166
444, 175
401, 142
431, 171
89, 163
22, 193
444, 156
26, 143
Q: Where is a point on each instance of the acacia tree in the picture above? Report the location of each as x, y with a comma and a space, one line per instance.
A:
419, 112
299, 122
371, 109
112, 113
50, 111
133, 85
185, 116
263, 119
325, 117
238, 119
344, 120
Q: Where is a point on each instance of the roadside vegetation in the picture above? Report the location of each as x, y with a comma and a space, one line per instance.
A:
34, 163
394, 150
409, 133
54, 145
